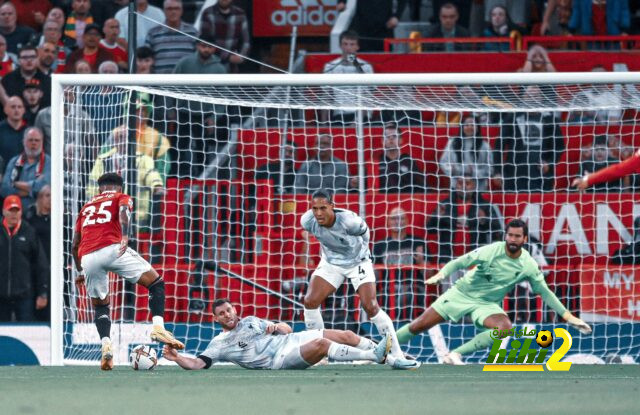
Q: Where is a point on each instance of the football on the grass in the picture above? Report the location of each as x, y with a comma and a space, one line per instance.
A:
143, 357
544, 338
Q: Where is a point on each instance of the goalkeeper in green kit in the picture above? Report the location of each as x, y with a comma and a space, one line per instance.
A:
498, 267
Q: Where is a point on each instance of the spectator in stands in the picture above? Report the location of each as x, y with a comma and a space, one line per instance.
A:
499, 25
529, 146
32, 97
556, 18
597, 97
169, 46
57, 15
468, 155
14, 82
106, 106
150, 142
47, 57
153, 16
12, 128
324, 172
465, 209
201, 126
81, 67
401, 248
226, 25
27, 173
39, 217
77, 21
91, 52
144, 60
271, 171
347, 63
447, 28
8, 61
32, 13
518, 10
375, 20
52, 33
537, 61
399, 173
150, 182
114, 43
600, 17
16, 36
596, 157
24, 269
108, 67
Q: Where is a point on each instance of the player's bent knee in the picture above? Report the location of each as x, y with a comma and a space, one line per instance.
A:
311, 303
149, 277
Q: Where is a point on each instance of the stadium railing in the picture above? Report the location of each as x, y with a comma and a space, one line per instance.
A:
518, 44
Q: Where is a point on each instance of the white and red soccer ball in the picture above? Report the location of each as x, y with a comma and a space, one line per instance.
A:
143, 357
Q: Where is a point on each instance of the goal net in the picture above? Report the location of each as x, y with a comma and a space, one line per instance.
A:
221, 170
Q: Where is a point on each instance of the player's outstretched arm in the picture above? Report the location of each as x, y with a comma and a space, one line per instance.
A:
465, 261
609, 173
184, 362
436, 278
576, 323
540, 287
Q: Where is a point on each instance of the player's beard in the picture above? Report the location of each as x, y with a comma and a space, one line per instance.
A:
513, 247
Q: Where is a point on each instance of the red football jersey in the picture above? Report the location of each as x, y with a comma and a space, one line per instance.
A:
99, 221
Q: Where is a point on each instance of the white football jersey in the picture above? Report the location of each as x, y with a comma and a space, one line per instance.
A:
346, 243
247, 345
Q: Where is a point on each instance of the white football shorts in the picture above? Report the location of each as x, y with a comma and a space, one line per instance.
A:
335, 275
97, 264
288, 355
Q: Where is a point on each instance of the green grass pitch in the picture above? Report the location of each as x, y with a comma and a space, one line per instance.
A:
335, 389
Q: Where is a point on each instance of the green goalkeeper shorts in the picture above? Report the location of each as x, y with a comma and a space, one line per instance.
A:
453, 305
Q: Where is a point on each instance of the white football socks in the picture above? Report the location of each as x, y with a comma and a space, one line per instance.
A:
158, 321
365, 344
313, 319
384, 325
344, 353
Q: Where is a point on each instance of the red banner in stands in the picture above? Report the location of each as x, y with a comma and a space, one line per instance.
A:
611, 293
278, 17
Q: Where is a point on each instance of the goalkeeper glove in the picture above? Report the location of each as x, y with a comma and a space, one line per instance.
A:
436, 279
576, 323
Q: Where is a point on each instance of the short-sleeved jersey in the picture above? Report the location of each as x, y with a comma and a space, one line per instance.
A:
496, 273
247, 345
346, 243
99, 221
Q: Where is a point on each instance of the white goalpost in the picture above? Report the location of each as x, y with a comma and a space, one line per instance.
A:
218, 215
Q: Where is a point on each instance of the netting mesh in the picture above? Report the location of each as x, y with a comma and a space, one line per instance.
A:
223, 174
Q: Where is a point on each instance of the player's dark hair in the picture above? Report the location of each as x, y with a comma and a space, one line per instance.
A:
349, 34
219, 302
322, 194
110, 179
518, 223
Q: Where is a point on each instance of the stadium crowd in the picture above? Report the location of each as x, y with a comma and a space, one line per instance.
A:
175, 139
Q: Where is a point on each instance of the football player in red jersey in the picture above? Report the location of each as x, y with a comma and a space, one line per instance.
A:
100, 246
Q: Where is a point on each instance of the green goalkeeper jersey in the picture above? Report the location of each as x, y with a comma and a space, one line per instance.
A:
496, 273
